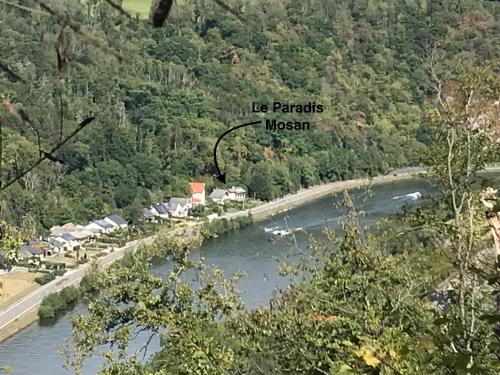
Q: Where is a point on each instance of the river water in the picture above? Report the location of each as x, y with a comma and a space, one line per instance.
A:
35, 350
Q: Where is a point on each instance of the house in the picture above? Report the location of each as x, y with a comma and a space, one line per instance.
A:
116, 221
160, 210
219, 196
197, 192
69, 242
57, 247
99, 227
29, 251
147, 215
237, 194
179, 207
82, 235
41, 244
96, 230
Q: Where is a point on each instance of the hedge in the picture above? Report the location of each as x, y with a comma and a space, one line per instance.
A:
45, 278
55, 303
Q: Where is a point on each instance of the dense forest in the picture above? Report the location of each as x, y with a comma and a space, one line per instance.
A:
162, 96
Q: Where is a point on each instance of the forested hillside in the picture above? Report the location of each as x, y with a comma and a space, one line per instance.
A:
161, 97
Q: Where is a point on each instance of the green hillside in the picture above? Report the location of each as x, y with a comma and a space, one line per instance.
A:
162, 97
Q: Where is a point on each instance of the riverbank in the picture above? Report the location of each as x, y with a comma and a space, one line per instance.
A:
23, 313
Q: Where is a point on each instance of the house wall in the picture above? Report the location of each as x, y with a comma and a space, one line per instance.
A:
68, 246
199, 197
180, 212
112, 223
237, 196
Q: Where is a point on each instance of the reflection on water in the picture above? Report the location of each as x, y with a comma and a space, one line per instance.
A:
252, 250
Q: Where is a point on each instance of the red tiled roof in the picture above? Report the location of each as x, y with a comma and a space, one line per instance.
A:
197, 187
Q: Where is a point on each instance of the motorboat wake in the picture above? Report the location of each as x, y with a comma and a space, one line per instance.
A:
412, 196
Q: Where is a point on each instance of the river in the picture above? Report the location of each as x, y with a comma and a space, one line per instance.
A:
35, 350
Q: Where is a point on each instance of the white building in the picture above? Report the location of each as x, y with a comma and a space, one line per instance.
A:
116, 221
237, 194
219, 196
179, 207
197, 193
160, 210
100, 226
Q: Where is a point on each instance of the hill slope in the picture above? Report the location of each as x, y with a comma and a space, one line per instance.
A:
176, 89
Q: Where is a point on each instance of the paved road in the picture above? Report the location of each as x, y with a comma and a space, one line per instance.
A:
33, 299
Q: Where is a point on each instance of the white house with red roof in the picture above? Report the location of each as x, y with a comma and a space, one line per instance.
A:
197, 193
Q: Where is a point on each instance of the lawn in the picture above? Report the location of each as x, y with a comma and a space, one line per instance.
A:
138, 6
62, 258
16, 285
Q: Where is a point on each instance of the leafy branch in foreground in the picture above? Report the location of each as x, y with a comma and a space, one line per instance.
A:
131, 301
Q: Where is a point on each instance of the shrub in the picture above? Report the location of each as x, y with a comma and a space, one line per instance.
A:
55, 266
88, 284
46, 312
60, 272
45, 278
55, 303
69, 294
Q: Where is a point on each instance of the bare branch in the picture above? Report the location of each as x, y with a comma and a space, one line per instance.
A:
22, 7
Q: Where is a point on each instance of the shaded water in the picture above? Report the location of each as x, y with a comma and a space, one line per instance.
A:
252, 250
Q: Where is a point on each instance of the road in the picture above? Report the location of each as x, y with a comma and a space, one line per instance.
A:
33, 299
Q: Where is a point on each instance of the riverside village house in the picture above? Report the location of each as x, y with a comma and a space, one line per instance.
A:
237, 194
179, 207
197, 193
219, 196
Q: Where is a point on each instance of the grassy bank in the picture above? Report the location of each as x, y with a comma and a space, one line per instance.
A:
24, 321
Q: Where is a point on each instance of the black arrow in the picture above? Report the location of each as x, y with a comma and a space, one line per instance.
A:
222, 176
